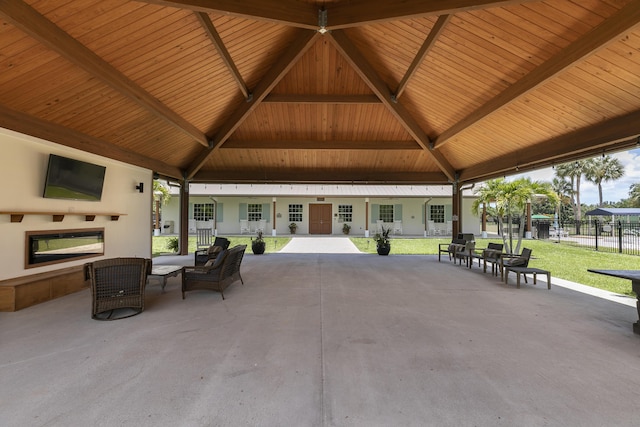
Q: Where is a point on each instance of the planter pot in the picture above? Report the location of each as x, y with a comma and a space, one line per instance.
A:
383, 249
258, 247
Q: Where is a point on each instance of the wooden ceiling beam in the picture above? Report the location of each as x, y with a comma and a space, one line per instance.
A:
617, 134
29, 125
46, 32
283, 175
605, 33
362, 12
422, 53
321, 99
211, 31
355, 58
320, 145
288, 12
296, 49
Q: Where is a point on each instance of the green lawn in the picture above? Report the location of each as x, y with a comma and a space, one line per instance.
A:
564, 261
273, 244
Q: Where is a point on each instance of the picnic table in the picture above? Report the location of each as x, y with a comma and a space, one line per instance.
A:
634, 276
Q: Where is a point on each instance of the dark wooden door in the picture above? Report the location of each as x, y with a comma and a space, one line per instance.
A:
320, 219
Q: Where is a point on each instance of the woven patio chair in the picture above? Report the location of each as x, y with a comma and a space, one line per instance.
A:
117, 287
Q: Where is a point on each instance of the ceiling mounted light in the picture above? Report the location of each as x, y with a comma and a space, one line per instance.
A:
322, 21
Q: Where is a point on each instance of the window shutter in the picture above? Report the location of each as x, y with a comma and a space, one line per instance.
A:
218, 212
397, 212
243, 211
448, 212
375, 213
424, 213
266, 211
190, 210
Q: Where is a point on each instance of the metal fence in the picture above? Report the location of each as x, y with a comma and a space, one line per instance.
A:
621, 237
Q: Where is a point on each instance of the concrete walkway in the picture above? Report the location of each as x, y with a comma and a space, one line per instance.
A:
328, 340
320, 245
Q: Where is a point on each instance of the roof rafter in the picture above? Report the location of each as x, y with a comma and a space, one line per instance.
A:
377, 85
282, 66
621, 132
321, 99
30, 125
422, 53
283, 175
361, 12
211, 31
289, 12
600, 36
321, 145
46, 32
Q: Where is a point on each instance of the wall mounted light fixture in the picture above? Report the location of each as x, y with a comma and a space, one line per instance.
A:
140, 187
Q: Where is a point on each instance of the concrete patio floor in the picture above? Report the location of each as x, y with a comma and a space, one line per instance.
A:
328, 340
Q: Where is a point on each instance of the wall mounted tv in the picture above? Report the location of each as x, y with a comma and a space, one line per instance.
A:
73, 179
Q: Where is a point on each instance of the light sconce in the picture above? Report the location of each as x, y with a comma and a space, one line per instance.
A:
140, 187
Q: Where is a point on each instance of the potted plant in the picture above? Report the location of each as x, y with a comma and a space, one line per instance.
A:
346, 228
293, 227
383, 244
258, 245
173, 244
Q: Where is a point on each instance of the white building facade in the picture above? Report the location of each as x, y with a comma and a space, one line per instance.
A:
231, 209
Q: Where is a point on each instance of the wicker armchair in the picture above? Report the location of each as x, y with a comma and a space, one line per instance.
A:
216, 277
117, 283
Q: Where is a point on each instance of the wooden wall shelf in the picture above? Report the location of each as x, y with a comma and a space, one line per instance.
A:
59, 216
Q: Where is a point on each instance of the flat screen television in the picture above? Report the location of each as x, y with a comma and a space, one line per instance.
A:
73, 179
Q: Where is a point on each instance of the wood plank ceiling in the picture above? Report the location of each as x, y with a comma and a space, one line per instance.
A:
364, 91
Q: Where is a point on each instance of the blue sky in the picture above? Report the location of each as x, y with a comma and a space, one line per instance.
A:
611, 191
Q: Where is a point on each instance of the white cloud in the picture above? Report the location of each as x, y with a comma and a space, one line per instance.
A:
612, 191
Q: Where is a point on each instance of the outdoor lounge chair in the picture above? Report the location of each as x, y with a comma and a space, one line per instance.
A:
204, 255
117, 283
456, 245
490, 254
222, 272
521, 260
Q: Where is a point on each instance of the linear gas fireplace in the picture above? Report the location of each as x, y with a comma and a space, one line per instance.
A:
50, 247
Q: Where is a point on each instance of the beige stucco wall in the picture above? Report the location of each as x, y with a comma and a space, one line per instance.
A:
23, 167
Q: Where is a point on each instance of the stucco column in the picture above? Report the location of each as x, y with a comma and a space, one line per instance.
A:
366, 217
273, 231
184, 218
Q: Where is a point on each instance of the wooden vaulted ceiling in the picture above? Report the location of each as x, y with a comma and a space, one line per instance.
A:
416, 91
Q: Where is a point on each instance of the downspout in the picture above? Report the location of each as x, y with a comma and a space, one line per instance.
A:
426, 217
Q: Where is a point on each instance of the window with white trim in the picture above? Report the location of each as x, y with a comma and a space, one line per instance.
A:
254, 211
295, 213
386, 213
345, 213
437, 213
203, 211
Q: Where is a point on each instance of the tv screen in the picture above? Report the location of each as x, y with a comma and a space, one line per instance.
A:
73, 179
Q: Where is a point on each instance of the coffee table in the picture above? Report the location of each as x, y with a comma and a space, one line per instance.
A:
163, 272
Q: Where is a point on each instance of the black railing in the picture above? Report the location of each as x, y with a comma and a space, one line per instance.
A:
621, 237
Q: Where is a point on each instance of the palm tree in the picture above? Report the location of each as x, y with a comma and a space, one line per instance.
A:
604, 168
574, 171
511, 198
634, 194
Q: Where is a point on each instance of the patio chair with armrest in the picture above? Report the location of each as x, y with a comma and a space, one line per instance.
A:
217, 274
203, 255
521, 260
456, 245
117, 284
490, 254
